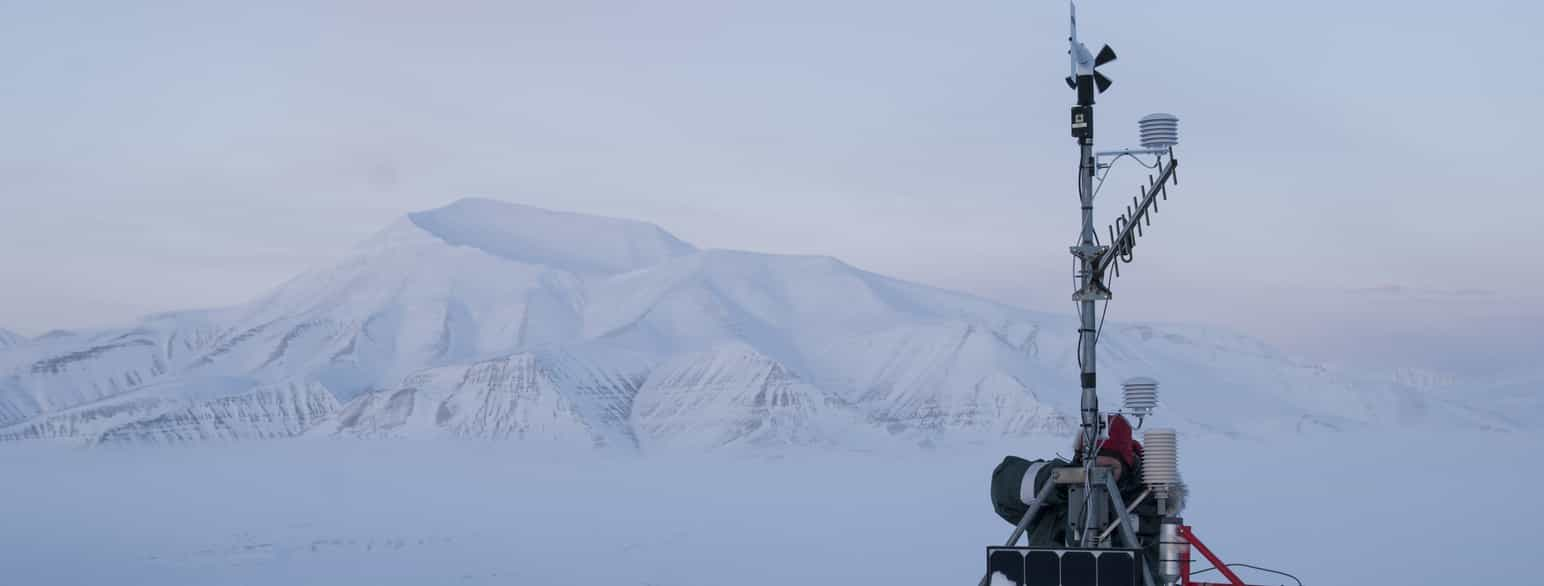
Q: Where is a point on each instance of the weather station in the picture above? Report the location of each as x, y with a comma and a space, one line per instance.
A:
1099, 520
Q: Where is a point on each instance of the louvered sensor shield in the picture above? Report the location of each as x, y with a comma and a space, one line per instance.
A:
1141, 396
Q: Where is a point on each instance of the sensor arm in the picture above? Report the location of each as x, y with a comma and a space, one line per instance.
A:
1106, 154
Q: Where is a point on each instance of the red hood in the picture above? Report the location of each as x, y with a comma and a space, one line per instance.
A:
1121, 442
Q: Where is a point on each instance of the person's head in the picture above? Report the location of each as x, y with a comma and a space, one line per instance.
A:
1118, 451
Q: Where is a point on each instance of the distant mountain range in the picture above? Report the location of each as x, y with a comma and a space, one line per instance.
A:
9, 338
486, 319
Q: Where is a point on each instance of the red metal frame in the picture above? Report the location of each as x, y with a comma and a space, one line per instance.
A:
1190, 536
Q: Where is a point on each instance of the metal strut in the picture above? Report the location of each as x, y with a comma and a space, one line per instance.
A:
1029, 517
1190, 536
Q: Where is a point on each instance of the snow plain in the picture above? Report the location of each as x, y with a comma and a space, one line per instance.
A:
1332, 508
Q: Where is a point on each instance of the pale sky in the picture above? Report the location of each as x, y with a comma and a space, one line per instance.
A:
158, 156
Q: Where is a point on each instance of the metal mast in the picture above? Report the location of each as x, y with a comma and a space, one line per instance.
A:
1086, 81
1160, 133
1095, 507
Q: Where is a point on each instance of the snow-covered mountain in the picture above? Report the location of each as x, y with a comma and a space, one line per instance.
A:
492, 320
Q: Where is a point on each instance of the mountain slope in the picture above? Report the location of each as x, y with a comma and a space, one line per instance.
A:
269, 411
9, 338
732, 395
471, 280
185, 409
902, 355
553, 396
64, 369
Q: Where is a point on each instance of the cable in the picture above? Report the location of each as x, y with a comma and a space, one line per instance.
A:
1101, 179
1088, 493
1100, 330
1108, 166
1252, 567
1134, 158
1076, 267
1080, 348
1100, 185
1079, 238
1111, 165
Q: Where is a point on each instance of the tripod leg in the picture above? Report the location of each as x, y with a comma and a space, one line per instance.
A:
1029, 517
1127, 533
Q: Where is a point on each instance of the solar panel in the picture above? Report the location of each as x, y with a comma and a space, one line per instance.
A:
1078, 569
1069, 566
1042, 568
1006, 565
1117, 570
